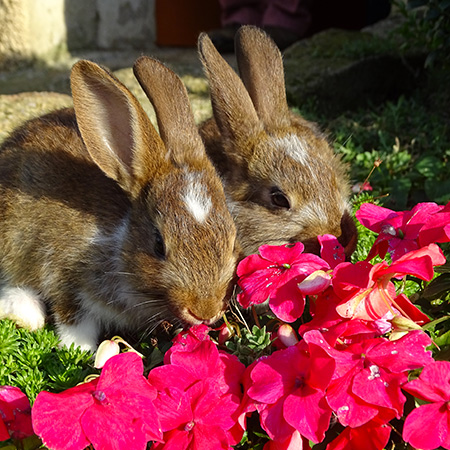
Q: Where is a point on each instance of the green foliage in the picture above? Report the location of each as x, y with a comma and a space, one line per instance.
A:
411, 140
250, 345
366, 238
33, 362
427, 26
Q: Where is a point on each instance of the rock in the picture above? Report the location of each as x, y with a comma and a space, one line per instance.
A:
338, 70
16, 109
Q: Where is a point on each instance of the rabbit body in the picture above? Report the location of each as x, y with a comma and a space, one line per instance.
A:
106, 225
282, 180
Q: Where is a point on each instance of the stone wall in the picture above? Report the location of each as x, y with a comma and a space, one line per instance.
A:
44, 29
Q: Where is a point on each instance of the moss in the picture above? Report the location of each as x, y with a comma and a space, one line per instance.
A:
339, 70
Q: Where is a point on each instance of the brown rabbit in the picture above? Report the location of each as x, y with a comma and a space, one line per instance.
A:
107, 224
282, 180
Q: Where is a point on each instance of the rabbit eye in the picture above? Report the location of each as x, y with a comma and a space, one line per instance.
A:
279, 199
159, 248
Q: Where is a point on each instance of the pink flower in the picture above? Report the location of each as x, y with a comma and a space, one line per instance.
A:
331, 250
273, 275
366, 290
196, 418
294, 442
370, 436
289, 388
199, 397
428, 426
333, 326
402, 232
360, 187
368, 376
15, 414
114, 410
188, 340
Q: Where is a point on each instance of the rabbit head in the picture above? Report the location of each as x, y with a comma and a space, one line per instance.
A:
109, 223
282, 180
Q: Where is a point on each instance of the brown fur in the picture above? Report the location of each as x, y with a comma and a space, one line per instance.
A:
86, 196
247, 141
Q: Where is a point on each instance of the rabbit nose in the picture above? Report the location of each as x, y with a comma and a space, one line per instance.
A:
205, 320
349, 235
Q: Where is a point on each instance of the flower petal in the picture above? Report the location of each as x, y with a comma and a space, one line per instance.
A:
349, 409
171, 376
433, 383
331, 250
52, 413
174, 408
274, 423
373, 216
287, 302
112, 427
426, 427
377, 387
282, 254
407, 353
201, 362
370, 436
308, 412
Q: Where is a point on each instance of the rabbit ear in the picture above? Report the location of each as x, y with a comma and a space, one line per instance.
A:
261, 68
170, 100
115, 129
233, 109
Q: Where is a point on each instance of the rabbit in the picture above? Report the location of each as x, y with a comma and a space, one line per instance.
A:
106, 224
282, 180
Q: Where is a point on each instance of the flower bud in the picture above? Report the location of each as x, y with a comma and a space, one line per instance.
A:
287, 335
401, 326
224, 334
315, 283
106, 350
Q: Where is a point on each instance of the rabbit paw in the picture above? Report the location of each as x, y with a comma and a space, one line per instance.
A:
83, 333
23, 306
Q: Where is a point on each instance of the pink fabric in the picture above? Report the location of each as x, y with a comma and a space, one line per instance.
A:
293, 15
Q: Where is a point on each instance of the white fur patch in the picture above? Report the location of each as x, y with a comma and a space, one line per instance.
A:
22, 305
295, 147
196, 198
83, 334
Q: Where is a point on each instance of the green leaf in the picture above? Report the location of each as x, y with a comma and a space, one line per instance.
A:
443, 339
437, 287
438, 191
429, 166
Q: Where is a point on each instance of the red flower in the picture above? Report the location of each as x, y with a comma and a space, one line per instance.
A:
428, 426
188, 340
369, 375
197, 417
274, 275
402, 232
15, 414
114, 411
331, 250
289, 388
199, 396
366, 290
294, 442
333, 326
370, 436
